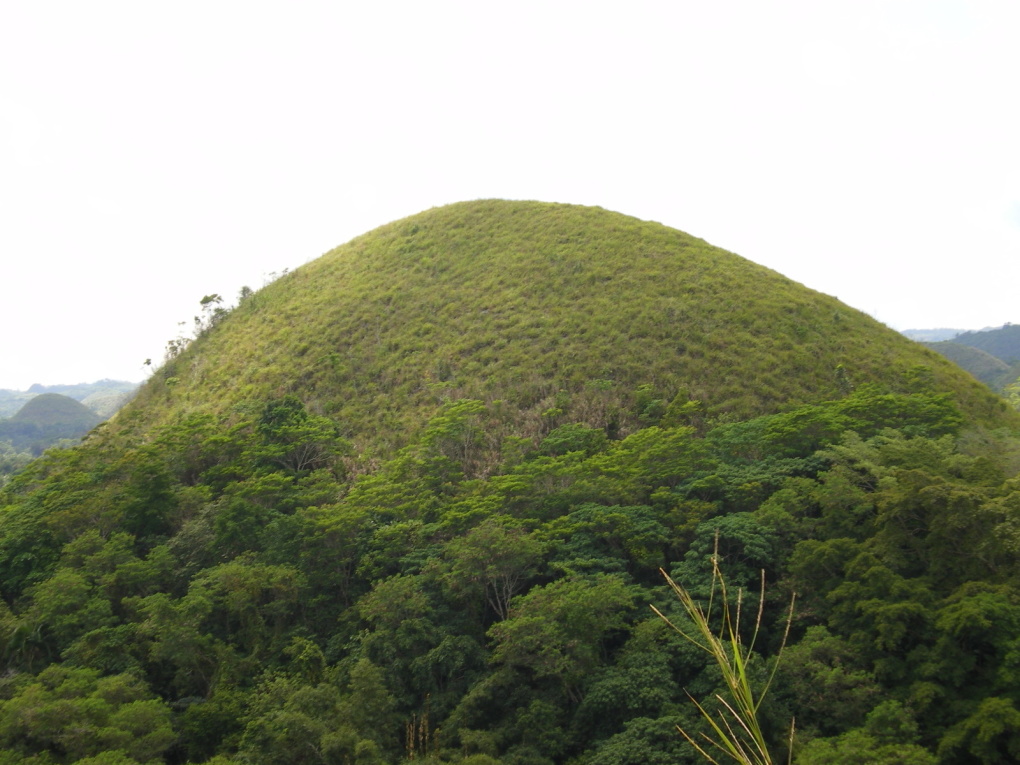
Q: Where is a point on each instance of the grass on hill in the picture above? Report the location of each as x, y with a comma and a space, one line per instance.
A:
564, 313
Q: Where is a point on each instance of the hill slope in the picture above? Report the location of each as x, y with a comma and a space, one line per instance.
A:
548, 307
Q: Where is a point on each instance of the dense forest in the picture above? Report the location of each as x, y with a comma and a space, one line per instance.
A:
325, 532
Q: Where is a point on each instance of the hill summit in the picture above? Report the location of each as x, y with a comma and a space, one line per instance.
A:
554, 309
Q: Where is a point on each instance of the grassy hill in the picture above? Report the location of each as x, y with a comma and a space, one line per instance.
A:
411, 502
45, 419
548, 307
103, 397
54, 409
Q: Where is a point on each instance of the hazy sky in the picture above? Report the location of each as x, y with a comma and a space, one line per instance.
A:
155, 152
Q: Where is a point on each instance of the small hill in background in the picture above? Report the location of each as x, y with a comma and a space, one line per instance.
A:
46, 419
1003, 343
80, 391
104, 397
991, 355
983, 365
105, 403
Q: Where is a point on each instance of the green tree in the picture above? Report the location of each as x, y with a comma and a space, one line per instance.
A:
495, 560
557, 631
72, 713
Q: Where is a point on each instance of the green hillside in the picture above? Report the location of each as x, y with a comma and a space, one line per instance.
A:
411, 504
548, 307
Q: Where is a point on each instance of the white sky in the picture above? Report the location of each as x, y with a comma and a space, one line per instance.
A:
155, 152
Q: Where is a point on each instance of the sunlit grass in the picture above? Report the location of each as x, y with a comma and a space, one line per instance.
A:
511, 293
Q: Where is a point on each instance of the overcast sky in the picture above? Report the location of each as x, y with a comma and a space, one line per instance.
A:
154, 152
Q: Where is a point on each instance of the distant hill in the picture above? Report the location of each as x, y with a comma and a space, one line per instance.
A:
991, 355
105, 403
46, 419
104, 397
80, 391
932, 335
983, 365
1003, 343
12, 400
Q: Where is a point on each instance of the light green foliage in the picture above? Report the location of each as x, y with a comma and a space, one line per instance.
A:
71, 714
494, 559
889, 737
573, 437
556, 631
291, 723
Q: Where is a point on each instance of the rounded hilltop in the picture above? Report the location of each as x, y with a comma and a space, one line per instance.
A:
45, 419
549, 308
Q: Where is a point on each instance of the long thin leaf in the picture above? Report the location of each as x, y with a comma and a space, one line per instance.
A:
735, 727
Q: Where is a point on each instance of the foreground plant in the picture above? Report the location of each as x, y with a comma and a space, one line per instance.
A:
735, 725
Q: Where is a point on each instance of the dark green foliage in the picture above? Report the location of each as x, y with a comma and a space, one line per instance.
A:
431, 606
